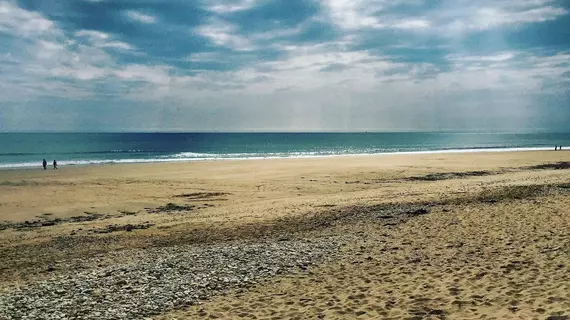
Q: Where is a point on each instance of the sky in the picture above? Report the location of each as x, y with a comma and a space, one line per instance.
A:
285, 65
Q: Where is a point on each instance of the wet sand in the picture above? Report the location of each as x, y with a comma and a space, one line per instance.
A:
492, 244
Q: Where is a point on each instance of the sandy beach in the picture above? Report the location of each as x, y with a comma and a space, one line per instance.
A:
422, 236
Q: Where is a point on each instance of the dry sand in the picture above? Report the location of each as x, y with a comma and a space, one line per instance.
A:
496, 244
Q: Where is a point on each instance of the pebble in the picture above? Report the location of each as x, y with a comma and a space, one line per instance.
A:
162, 279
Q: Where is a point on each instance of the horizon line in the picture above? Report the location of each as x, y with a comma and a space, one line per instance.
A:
284, 132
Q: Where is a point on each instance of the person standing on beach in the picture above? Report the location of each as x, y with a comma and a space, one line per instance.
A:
44, 164
556, 148
54, 164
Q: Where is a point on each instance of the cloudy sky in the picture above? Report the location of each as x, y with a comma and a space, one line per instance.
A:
284, 65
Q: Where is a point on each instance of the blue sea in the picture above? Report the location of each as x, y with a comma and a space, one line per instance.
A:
28, 149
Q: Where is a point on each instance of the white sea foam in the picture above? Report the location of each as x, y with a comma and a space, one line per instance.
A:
191, 156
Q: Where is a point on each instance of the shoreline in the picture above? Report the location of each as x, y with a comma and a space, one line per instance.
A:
88, 163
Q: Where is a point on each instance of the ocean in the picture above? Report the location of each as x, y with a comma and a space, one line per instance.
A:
19, 150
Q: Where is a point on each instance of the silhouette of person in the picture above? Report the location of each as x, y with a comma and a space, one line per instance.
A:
556, 148
560, 148
44, 164
54, 164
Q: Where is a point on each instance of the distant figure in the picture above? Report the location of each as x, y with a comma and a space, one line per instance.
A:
44, 164
560, 148
556, 148
54, 164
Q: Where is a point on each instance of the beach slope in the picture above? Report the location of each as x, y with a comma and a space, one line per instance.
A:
424, 236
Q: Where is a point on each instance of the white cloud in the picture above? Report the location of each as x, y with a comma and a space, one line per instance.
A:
535, 15
102, 40
93, 36
141, 17
453, 16
515, 72
412, 24
465, 17
314, 57
118, 45
518, 4
46, 55
372, 14
353, 14
155, 74
554, 61
203, 57
86, 72
22, 23
54, 59
489, 17
223, 7
224, 34
504, 56
303, 67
